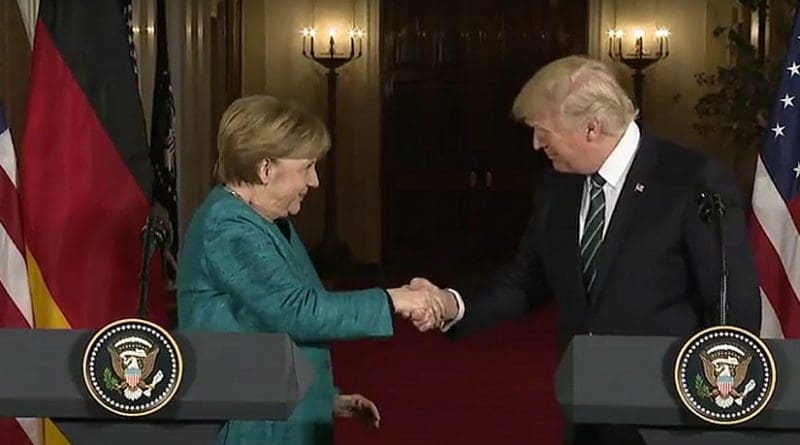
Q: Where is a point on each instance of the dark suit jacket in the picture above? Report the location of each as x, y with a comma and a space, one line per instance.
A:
658, 267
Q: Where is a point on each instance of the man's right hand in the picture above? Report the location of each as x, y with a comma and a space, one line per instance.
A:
408, 301
425, 320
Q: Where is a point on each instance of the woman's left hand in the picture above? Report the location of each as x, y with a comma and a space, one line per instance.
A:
357, 406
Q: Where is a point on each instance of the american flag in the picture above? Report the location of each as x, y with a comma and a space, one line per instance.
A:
15, 299
776, 205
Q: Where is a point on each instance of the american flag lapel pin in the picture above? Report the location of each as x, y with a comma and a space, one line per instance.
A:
639, 187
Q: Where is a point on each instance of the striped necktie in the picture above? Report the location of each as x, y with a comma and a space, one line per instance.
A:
593, 230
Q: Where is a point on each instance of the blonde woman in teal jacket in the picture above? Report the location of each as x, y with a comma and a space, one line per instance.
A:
243, 267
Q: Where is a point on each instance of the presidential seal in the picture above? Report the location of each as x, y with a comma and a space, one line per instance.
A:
725, 375
132, 367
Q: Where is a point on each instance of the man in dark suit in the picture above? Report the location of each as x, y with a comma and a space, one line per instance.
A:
616, 237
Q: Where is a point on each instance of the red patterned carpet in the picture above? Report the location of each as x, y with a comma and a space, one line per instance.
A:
495, 387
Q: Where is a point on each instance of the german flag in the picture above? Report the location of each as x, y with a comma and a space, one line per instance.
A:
85, 173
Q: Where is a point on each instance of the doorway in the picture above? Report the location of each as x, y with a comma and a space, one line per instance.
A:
457, 171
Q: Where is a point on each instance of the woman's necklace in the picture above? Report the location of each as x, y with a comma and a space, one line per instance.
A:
250, 204
236, 194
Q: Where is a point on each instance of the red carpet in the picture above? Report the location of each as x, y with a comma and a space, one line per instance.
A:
495, 387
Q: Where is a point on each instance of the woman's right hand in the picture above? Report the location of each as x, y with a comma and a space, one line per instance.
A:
412, 303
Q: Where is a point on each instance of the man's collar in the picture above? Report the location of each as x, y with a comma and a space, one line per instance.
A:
614, 168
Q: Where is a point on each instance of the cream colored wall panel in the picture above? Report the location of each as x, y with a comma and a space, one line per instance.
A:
253, 47
284, 72
15, 59
189, 62
29, 10
692, 50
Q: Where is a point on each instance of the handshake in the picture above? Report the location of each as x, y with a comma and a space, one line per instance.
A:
425, 304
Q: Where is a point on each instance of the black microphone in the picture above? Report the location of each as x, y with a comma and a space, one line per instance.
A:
711, 209
156, 233
162, 232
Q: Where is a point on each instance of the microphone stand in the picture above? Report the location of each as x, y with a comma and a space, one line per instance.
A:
712, 209
144, 272
156, 232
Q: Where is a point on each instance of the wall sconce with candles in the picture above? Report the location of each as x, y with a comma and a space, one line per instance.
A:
331, 59
331, 254
640, 58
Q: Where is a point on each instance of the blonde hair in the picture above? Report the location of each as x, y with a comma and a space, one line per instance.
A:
576, 89
258, 128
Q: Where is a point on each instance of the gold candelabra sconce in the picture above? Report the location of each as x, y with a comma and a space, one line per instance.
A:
332, 57
638, 58
332, 253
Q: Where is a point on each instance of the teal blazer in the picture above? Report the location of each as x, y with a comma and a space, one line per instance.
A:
239, 272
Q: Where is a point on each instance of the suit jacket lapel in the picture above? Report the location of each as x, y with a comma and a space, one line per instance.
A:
632, 193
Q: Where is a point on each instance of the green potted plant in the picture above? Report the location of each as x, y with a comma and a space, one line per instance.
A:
735, 111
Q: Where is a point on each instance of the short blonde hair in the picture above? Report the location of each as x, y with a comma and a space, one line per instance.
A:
256, 128
576, 89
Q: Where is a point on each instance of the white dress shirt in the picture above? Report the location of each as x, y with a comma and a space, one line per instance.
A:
614, 170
